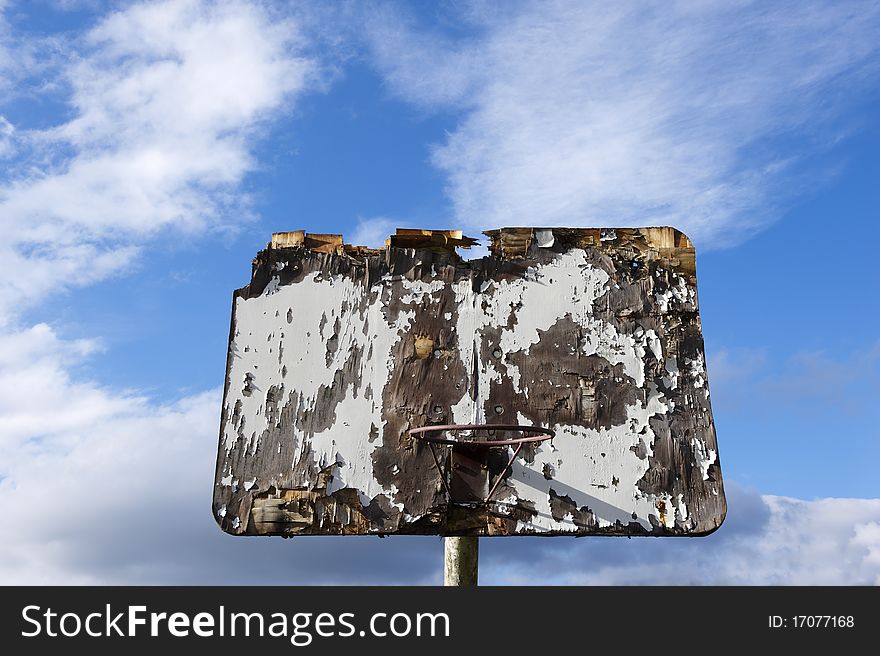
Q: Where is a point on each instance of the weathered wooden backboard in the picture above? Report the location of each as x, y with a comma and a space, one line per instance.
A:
336, 351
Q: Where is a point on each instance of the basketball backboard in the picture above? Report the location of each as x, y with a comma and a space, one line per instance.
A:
591, 336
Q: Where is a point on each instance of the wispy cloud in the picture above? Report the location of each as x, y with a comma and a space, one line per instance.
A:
373, 231
167, 100
7, 130
687, 114
811, 382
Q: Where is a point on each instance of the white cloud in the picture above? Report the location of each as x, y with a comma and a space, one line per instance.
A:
40, 399
7, 132
167, 100
766, 540
867, 535
373, 232
633, 113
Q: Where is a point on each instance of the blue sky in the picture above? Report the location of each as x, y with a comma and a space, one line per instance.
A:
150, 149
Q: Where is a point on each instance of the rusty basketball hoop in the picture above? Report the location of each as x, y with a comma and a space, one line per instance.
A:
530, 435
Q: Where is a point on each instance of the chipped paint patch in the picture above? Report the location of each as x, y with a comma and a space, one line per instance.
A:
705, 457
697, 370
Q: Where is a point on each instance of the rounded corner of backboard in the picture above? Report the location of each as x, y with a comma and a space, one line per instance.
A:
218, 512
682, 239
717, 521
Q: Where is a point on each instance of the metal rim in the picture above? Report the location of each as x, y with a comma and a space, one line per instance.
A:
539, 434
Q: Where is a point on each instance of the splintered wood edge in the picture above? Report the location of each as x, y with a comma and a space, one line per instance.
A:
664, 243
667, 242
403, 238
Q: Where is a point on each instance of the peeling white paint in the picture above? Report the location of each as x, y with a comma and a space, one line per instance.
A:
654, 344
417, 290
697, 370
705, 457
264, 318
576, 284
681, 508
680, 293
585, 475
